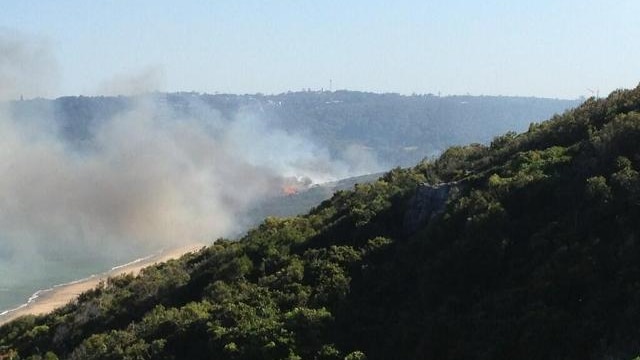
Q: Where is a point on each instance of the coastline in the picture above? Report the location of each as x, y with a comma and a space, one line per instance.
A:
46, 300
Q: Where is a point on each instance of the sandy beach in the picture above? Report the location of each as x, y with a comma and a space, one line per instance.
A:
50, 299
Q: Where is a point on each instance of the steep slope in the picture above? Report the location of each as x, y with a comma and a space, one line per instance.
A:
302, 200
533, 255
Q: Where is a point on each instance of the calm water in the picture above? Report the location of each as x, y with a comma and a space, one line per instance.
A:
56, 272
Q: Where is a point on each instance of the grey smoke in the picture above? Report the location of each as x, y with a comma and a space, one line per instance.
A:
148, 79
147, 179
27, 66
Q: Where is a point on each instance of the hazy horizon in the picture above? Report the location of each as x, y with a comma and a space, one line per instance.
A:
22, 97
565, 49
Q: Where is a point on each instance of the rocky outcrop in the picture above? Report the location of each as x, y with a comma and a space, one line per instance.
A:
427, 202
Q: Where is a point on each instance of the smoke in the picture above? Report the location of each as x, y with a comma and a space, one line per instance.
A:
27, 66
360, 159
145, 179
290, 155
136, 83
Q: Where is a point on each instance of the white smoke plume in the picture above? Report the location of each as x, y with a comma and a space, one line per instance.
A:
149, 79
146, 180
27, 66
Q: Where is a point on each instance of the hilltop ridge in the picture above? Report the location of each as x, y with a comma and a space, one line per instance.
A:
391, 129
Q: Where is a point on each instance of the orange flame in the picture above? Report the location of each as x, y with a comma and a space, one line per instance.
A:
289, 190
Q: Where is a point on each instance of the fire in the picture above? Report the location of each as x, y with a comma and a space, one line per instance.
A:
293, 185
289, 190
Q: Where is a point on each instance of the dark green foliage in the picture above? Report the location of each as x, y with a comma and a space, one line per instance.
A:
535, 256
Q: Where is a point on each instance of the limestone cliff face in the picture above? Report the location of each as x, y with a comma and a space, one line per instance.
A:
428, 201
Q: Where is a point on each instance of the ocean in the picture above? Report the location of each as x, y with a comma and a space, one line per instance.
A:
60, 272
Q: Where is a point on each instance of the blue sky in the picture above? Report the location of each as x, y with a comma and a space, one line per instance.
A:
542, 48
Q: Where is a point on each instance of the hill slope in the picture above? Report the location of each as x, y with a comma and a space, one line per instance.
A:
530, 251
302, 200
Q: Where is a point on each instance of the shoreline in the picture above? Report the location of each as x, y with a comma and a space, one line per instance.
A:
45, 301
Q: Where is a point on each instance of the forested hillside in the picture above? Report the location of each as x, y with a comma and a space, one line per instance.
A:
533, 255
398, 130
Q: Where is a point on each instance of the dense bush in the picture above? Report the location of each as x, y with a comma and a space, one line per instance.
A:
535, 256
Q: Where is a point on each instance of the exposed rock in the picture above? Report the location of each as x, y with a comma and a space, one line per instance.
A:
428, 201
